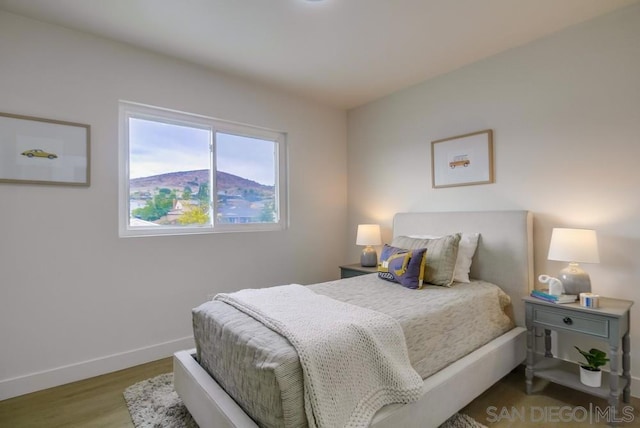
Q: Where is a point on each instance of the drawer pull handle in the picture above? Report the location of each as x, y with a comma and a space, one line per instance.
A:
567, 320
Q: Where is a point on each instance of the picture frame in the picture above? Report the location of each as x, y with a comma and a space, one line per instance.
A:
34, 150
462, 160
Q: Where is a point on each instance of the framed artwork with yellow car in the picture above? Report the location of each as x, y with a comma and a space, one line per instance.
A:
43, 151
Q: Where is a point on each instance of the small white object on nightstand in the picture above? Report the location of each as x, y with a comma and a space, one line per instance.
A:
555, 285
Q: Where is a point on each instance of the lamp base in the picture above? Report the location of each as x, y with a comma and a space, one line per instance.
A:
369, 257
575, 280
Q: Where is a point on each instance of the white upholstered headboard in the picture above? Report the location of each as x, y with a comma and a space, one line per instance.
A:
505, 248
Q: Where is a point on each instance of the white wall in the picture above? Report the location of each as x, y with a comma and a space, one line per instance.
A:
75, 299
565, 111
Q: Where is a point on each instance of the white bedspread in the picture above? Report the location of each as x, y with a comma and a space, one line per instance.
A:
354, 359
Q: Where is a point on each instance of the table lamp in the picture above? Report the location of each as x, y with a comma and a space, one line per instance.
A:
574, 246
368, 235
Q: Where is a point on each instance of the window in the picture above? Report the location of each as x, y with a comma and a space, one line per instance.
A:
183, 173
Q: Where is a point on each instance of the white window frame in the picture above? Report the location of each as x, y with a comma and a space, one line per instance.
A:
128, 110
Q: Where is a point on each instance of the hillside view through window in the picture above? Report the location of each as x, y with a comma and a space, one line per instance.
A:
185, 175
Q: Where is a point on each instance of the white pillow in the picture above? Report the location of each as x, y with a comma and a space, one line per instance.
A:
466, 250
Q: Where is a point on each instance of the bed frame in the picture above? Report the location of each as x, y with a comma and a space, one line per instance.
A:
504, 256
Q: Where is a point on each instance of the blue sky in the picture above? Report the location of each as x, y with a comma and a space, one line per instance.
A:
157, 148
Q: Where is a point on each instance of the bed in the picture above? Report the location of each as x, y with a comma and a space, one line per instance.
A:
503, 256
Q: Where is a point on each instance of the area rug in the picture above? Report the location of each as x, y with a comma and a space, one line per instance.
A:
153, 403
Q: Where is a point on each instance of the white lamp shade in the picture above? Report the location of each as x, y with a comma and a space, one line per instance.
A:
574, 245
368, 234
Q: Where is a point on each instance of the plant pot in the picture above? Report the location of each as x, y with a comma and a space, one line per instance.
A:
591, 377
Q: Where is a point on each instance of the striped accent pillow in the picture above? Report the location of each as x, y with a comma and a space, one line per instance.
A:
441, 256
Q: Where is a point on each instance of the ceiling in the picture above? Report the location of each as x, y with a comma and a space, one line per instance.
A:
343, 53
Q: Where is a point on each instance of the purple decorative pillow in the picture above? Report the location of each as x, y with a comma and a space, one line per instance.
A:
405, 267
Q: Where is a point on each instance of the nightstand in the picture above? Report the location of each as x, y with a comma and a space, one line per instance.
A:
348, 271
609, 322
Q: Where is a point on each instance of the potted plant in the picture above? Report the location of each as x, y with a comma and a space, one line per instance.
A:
590, 373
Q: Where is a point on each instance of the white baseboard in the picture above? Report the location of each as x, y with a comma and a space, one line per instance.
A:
83, 370
21, 385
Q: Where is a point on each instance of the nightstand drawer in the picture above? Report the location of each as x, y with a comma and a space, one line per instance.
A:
567, 320
349, 271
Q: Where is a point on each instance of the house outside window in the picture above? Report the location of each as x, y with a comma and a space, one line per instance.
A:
182, 173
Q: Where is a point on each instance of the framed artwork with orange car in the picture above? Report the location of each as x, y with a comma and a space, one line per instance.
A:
462, 160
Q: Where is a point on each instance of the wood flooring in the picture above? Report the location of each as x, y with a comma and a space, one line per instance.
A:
95, 402
98, 402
